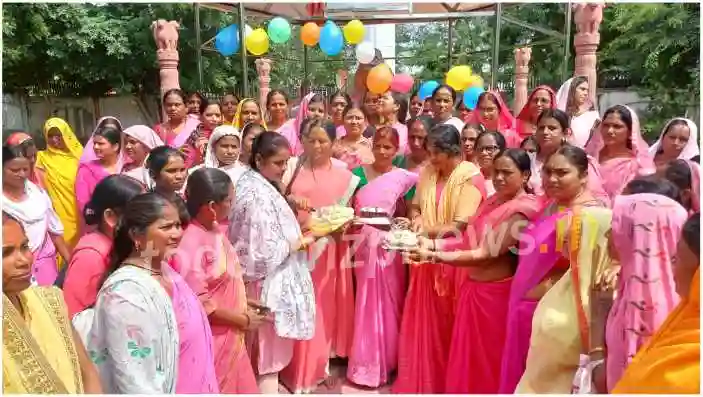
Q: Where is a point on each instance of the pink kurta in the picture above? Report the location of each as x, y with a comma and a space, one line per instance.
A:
332, 280
209, 264
89, 261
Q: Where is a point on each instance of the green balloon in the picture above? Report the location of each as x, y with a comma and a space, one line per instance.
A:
279, 30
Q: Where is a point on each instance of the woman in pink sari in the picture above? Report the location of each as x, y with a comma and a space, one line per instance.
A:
686, 175
552, 133
339, 102
573, 99
486, 250
102, 156
177, 130
208, 262
139, 140
312, 106
380, 274
351, 145
393, 108
30, 205
492, 112
678, 140
448, 193
541, 264
620, 150
541, 98
277, 106
320, 183
646, 229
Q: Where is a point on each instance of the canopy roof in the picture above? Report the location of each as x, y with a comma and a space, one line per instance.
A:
373, 13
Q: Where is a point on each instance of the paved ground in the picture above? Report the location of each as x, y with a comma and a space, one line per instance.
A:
339, 384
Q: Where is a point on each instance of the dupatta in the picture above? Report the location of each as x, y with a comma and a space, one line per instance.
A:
671, 362
690, 150
238, 121
646, 230
88, 152
39, 356
524, 116
433, 215
618, 172
581, 124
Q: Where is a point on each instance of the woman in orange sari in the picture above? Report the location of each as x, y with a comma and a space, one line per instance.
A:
448, 193
209, 264
319, 183
487, 251
670, 363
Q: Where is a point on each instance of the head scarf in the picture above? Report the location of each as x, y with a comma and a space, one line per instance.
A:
89, 153
147, 136
238, 122
217, 134
563, 96
646, 230
640, 149
17, 138
506, 121
690, 150
524, 114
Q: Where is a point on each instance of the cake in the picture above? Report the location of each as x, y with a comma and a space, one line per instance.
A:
401, 238
372, 212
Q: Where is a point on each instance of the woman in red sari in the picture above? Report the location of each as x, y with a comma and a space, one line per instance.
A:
543, 97
493, 113
487, 251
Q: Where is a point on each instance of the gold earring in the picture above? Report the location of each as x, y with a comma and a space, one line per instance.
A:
137, 246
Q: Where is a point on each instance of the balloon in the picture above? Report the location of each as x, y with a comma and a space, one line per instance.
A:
279, 30
257, 42
310, 34
365, 53
402, 83
354, 31
247, 31
331, 39
379, 79
426, 89
475, 81
458, 77
227, 40
471, 97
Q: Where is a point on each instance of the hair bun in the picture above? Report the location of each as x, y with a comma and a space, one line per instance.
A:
90, 215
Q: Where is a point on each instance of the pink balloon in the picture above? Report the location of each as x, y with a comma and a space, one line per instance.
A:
402, 83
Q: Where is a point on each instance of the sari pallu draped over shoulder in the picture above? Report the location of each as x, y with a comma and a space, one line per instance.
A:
478, 337
380, 286
670, 363
580, 125
556, 344
690, 150
60, 168
618, 172
151, 140
646, 230
505, 123
39, 353
428, 314
238, 121
292, 130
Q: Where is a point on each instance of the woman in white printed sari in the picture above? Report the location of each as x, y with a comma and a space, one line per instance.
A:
149, 333
273, 252
572, 98
222, 152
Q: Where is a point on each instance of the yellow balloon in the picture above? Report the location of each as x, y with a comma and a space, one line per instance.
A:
257, 42
475, 81
458, 77
354, 31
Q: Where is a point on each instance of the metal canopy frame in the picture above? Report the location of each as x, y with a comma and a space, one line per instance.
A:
384, 13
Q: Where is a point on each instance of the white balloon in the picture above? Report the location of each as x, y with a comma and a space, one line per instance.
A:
247, 31
365, 52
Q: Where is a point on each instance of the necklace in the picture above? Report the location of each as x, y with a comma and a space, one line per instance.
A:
150, 270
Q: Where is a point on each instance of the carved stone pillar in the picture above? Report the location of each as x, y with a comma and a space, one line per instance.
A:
342, 76
166, 38
587, 18
522, 72
263, 68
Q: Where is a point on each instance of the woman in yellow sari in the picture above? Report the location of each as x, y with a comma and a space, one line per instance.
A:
248, 111
41, 353
562, 316
59, 165
671, 362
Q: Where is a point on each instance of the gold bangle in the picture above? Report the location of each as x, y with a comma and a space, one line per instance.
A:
597, 350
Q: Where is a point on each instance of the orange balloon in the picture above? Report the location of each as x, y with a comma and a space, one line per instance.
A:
379, 79
310, 34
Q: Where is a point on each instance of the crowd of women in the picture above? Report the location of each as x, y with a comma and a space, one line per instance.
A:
557, 250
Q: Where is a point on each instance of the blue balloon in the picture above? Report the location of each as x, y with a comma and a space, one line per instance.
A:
227, 40
471, 97
426, 89
331, 39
